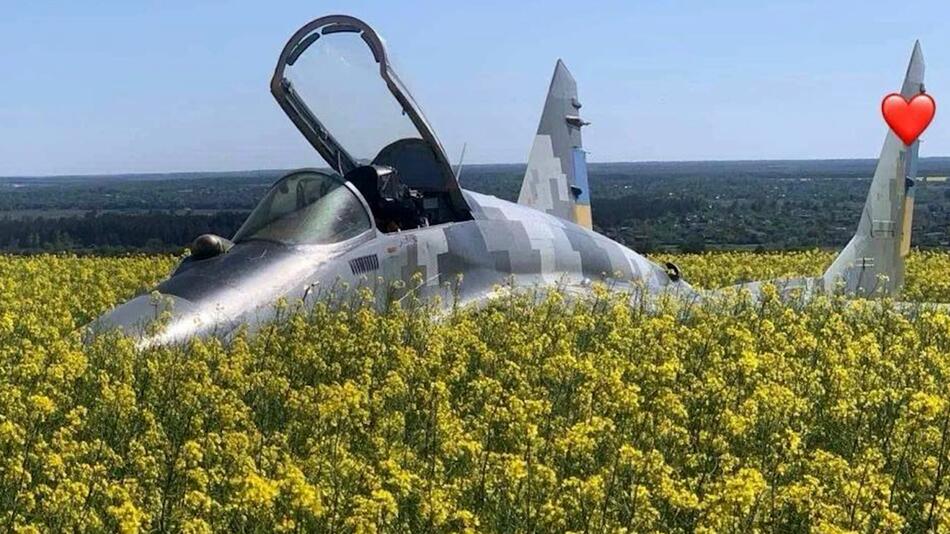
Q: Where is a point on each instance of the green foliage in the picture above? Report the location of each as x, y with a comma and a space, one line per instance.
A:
530, 414
649, 206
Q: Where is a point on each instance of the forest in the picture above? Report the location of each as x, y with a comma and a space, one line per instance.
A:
650, 206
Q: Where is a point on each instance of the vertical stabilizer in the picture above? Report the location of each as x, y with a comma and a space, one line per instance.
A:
556, 179
873, 261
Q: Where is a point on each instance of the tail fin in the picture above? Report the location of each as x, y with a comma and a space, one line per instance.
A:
556, 179
873, 261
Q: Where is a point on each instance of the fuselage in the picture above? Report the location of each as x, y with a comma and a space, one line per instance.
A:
400, 225
388, 212
461, 262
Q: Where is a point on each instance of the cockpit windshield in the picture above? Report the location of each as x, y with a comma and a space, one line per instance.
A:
306, 208
338, 79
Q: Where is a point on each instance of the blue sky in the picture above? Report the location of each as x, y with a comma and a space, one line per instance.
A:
117, 86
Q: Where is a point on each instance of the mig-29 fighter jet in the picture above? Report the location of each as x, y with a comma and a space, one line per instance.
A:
390, 208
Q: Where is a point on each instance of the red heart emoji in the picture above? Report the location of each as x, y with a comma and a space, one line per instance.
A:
908, 118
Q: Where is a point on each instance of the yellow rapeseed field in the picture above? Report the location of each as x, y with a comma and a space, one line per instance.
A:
525, 416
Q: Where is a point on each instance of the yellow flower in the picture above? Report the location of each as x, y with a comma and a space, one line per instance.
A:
534, 412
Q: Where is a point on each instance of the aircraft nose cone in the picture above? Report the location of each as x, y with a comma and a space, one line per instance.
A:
156, 319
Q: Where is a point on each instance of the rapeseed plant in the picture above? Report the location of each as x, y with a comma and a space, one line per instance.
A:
532, 414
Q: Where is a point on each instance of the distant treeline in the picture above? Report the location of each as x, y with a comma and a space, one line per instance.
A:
152, 232
167, 232
613, 212
649, 206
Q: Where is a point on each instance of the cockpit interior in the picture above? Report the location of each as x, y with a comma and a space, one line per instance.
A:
402, 187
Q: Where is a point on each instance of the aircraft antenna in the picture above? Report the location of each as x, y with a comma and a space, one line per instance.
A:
458, 168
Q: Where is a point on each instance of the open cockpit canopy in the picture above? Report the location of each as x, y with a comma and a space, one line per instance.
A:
334, 81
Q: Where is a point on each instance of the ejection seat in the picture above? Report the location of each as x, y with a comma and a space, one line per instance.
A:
394, 206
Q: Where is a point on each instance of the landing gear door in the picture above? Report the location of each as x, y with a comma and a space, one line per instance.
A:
335, 82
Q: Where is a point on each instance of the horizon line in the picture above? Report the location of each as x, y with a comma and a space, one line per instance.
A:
288, 169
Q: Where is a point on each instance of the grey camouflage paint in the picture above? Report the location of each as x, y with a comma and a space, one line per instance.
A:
550, 173
525, 244
873, 261
506, 243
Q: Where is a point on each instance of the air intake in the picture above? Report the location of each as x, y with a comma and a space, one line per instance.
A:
364, 264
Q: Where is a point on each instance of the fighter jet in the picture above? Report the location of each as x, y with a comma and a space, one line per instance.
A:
389, 210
